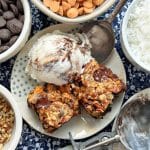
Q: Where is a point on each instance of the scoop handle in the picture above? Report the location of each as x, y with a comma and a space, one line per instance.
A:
116, 10
105, 142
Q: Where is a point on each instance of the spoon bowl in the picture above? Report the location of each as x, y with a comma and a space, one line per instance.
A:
101, 35
133, 123
102, 39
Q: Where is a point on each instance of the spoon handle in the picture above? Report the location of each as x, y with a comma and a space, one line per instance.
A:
105, 142
116, 10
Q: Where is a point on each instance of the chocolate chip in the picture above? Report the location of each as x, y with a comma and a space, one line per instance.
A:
15, 26
97, 75
12, 40
42, 103
8, 15
3, 48
102, 74
14, 9
5, 34
2, 22
19, 6
4, 5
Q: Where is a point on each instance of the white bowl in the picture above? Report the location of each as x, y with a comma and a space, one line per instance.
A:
145, 92
97, 12
124, 40
16, 134
23, 37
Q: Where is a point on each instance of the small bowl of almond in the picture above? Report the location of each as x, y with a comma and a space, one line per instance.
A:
10, 121
73, 11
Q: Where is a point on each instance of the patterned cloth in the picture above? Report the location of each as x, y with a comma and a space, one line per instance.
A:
136, 81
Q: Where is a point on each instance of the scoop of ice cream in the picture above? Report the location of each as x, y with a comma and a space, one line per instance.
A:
56, 57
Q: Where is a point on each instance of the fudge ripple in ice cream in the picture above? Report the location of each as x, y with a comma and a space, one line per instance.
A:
57, 56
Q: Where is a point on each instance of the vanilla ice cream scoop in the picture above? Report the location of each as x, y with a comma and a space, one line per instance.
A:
57, 56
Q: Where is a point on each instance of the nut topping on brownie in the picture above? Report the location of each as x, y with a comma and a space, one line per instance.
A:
95, 89
98, 87
54, 105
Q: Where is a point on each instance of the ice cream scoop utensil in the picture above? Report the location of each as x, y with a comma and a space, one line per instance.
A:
101, 35
132, 124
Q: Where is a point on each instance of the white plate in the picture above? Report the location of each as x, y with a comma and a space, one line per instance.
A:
81, 126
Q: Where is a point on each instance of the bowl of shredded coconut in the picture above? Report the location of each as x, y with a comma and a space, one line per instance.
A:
135, 34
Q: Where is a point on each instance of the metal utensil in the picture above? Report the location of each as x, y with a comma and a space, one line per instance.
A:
92, 141
73, 143
132, 124
101, 35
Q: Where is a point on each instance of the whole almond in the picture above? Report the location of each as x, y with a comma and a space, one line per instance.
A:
1, 12
2, 22
15, 26
3, 48
4, 5
5, 34
12, 40
8, 15
19, 6
14, 9
21, 18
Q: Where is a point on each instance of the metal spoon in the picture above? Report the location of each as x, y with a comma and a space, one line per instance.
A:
101, 35
132, 126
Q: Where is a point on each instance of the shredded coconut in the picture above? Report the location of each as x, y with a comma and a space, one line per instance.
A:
138, 32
